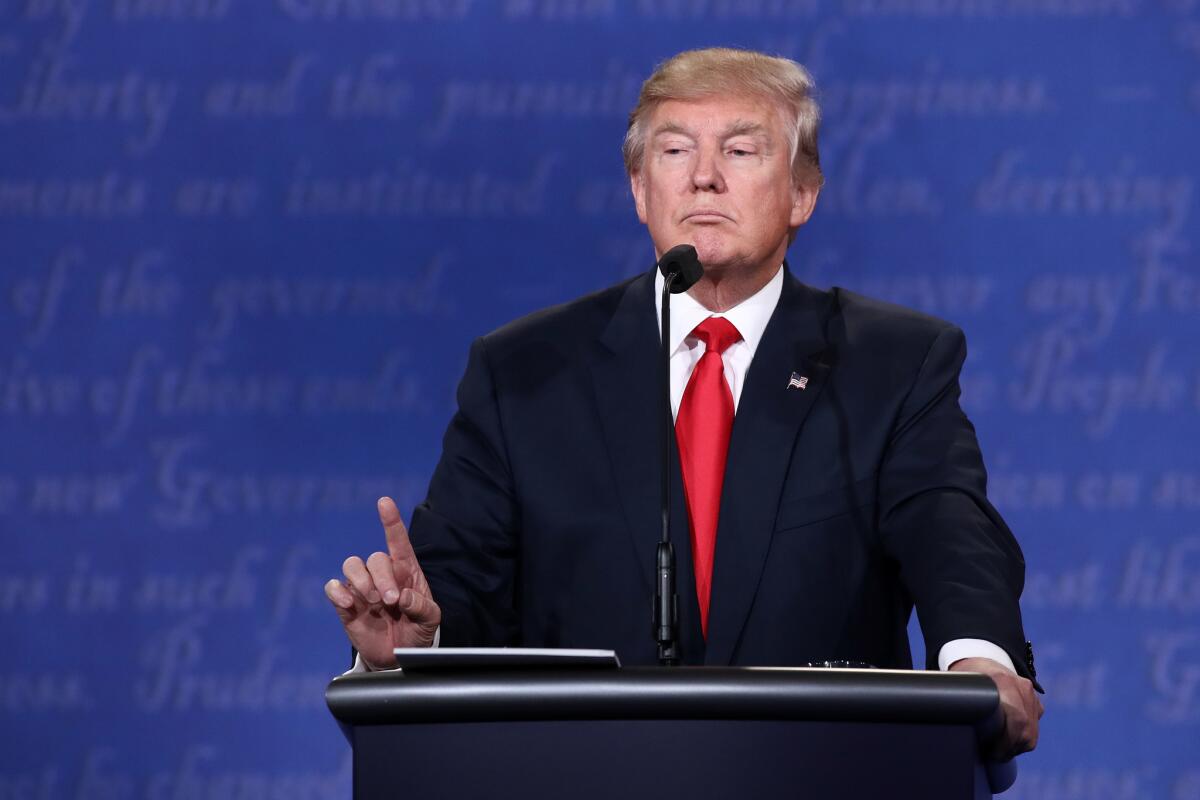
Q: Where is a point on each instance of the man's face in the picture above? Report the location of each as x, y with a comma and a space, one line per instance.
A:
716, 174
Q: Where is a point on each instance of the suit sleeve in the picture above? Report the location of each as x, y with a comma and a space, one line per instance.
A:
957, 557
465, 533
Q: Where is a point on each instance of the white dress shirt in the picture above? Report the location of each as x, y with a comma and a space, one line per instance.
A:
750, 317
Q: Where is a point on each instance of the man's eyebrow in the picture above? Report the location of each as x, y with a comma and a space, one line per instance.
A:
738, 127
674, 127
742, 127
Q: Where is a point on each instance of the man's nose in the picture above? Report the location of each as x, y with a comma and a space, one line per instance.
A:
706, 171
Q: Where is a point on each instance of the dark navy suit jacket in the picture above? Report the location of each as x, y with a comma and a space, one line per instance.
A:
844, 502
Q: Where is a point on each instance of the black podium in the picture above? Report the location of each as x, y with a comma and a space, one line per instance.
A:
694, 732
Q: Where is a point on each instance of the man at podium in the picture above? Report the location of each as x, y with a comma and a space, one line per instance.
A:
826, 478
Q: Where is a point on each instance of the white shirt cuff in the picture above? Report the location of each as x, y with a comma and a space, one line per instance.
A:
958, 649
360, 666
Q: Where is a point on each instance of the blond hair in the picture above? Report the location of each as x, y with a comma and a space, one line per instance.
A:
696, 74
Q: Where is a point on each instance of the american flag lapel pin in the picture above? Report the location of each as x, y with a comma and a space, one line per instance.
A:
798, 381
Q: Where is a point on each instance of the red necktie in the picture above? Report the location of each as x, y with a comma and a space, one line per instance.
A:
702, 431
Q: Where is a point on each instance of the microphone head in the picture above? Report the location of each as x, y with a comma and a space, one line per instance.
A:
683, 261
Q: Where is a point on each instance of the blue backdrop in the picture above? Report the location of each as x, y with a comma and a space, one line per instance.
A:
244, 247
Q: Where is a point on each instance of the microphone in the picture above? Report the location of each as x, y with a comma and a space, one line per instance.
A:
682, 261
680, 268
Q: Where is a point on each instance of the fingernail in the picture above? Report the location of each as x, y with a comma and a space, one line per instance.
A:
391, 596
373, 596
406, 598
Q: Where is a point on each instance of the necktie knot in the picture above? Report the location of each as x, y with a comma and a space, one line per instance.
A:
717, 333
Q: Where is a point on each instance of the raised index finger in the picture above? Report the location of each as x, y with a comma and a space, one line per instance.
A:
399, 547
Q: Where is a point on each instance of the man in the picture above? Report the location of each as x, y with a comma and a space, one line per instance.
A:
827, 477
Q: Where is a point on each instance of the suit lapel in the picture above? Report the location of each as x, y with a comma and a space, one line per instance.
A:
768, 420
625, 374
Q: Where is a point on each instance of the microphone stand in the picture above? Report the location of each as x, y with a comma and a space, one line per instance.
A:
666, 604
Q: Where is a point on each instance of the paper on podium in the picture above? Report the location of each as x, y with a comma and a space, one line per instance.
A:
445, 658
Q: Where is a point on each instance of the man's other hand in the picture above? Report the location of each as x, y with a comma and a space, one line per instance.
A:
385, 602
1021, 706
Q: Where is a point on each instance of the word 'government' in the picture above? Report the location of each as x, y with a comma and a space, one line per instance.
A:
192, 494
246, 297
148, 284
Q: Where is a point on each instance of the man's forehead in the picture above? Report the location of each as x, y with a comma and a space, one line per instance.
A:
725, 115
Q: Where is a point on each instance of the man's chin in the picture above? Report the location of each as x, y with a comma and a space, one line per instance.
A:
715, 257
719, 262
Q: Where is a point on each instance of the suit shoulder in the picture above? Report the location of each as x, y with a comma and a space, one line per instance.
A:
877, 324
565, 325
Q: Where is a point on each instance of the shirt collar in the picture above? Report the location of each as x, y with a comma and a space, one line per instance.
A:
750, 316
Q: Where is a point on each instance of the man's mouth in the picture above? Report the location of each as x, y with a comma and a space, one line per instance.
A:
705, 215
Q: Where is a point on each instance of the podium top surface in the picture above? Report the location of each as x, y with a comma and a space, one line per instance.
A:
759, 693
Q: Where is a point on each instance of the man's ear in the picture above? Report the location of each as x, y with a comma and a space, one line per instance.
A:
803, 202
637, 187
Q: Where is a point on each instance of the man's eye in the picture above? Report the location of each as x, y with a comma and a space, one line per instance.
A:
673, 151
737, 151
